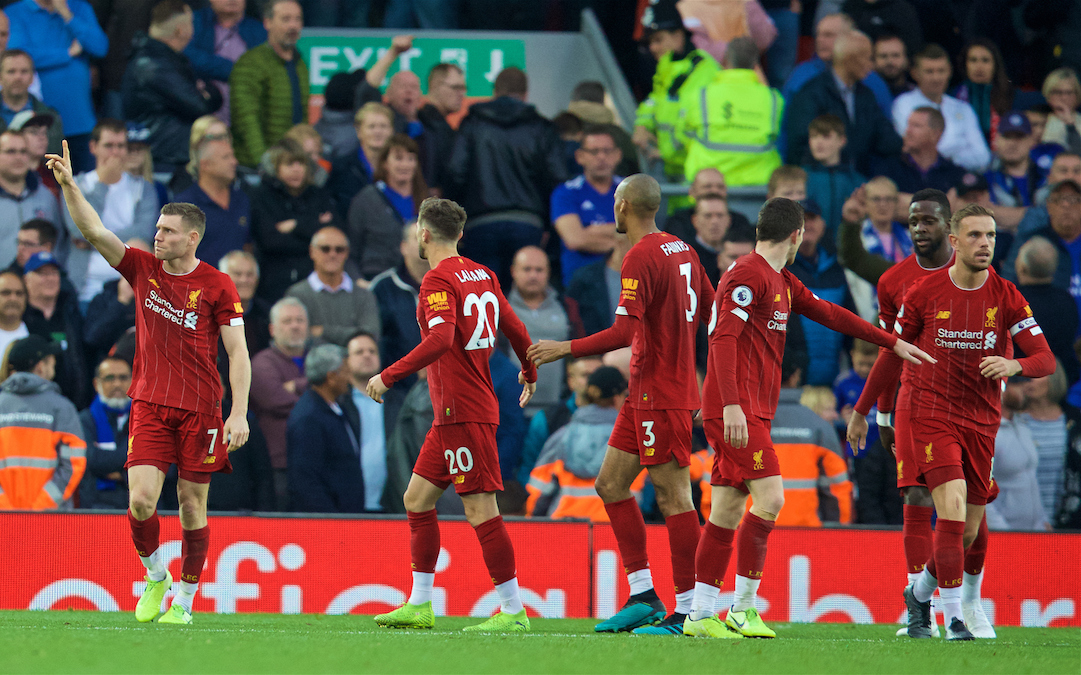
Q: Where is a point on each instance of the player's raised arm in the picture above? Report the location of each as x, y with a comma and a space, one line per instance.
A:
84, 216
236, 427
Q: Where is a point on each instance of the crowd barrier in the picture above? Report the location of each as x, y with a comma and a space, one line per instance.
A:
566, 569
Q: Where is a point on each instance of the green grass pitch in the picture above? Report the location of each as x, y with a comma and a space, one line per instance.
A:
93, 642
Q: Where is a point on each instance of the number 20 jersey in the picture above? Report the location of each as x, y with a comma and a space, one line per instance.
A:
466, 295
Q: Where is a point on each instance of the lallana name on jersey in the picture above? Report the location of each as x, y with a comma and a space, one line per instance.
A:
472, 275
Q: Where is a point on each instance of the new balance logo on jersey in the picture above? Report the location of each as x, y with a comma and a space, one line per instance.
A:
210, 460
930, 457
193, 299
944, 314
989, 322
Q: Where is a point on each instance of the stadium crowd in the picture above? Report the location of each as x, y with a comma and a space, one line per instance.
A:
208, 103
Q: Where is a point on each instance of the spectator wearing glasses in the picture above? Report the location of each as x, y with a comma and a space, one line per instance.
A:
286, 210
105, 427
1062, 90
337, 306
36, 131
22, 196
16, 78
446, 95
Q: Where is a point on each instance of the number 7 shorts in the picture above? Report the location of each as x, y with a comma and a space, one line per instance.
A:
463, 455
159, 436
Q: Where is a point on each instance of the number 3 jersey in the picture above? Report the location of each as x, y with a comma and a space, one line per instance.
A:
460, 309
177, 323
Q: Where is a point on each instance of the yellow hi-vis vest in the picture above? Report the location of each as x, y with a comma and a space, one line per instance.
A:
733, 127
675, 86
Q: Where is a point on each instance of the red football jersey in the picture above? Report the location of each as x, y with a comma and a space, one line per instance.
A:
466, 296
666, 289
750, 315
177, 323
960, 327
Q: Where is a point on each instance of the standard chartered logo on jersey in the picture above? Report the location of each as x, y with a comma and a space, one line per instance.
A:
159, 305
966, 339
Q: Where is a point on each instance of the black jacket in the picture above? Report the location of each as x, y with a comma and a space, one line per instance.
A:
324, 468
107, 319
587, 297
506, 158
250, 486
159, 91
871, 133
397, 299
347, 178
65, 327
1056, 312
439, 140
284, 258
888, 17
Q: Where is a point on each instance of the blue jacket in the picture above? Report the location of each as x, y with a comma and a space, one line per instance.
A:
397, 298
826, 278
200, 51
511, 432
65, 81
831, 186
324, 468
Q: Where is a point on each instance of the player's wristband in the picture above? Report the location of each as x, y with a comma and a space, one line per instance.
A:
884, 419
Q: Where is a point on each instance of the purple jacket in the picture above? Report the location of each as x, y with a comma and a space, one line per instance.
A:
271, 401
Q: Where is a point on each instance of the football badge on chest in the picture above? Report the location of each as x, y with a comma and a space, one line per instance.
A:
191, 315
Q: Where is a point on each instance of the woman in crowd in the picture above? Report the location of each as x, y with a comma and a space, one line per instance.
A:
379, 211
1062, 90
312, 142
374, 123
286, 210
1046, 420
986, 86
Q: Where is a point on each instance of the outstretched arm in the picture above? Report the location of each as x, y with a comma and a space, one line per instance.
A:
616, 336
83, 215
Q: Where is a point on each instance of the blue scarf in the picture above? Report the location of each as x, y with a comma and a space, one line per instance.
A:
105, 437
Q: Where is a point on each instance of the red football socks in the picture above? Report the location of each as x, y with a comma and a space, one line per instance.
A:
193, 548
630, 531
714, 552
144, 534
683, 534
753, 534
975, 554
423, 540
497, 550
949, 553
918, 536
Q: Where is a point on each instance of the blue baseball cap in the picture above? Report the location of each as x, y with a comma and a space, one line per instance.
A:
39, 260
1015, 123
810, 207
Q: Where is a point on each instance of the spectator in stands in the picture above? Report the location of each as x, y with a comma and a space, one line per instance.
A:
706, 181
105, 428
309, 139
140, 162
335, 123
507, 160
1052, 307
881, 234
35, 129
325, 474
1014, 177
278, 381
1043, 153
45, 458
371, 422
839, 91
1064, 232
22, 197
829, 28
583, 208
921, 165
16, 76
243, 269
1046, 420
64, 35
679, 67
588, 105
1018, 505
53, 313
160, 90
781, 55
379, 211
403, 89
374, 124
337, 307
829, 179
35, 235
207, 126
111, 313
396, 292
1062, 90
849, 385
881, 17
286, 210
891, 63
962, 140
128, 206
268, 87
711, 222
986, 86
817, 267
5, 33
735, 128
807, 451
12, 308
593, 293
537, 305
216, 191
446, 95
789, 182
221, 33
510, 434
250, 487
561, 485
736, 244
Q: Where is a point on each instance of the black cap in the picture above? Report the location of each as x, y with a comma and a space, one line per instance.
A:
661, 15
608, 380
29, 351
810, 207
971, 182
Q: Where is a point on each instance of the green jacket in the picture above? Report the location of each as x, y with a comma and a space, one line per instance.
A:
261, 101
733, 127
675, 85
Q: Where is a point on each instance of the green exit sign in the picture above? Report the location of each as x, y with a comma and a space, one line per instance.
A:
480, 59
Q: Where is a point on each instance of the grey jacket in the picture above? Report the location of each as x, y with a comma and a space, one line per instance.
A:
35, 202
37, 422
340, 314
374, 231
547, 322
1018, 506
